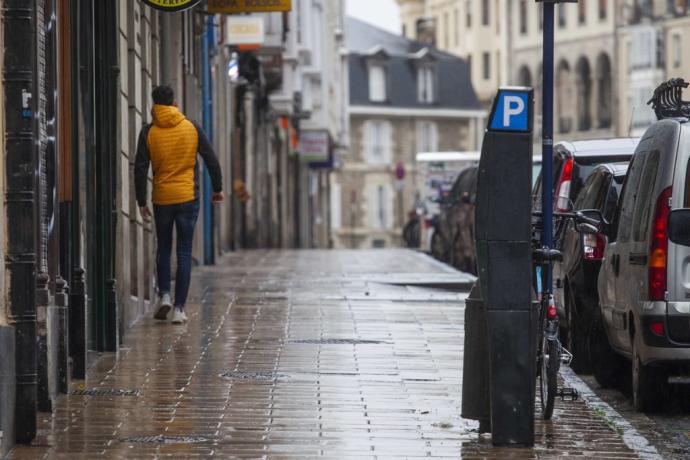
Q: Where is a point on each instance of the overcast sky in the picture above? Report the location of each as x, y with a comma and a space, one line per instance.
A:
382, 13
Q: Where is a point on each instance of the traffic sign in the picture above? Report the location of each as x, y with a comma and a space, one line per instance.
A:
512, 110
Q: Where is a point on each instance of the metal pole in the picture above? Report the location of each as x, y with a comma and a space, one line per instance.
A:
209, 253
547, 134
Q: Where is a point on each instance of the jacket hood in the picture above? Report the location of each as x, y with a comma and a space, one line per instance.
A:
166, 116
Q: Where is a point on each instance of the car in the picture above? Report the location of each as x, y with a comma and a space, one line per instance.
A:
453, 239
582, 255
573, 163
643, 283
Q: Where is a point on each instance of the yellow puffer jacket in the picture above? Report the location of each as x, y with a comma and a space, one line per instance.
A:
170, 144
173, 143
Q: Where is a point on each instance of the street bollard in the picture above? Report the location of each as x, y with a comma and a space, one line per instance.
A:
476, 404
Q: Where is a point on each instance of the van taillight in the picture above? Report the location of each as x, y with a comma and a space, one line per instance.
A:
563, 191
594, 246
658, 250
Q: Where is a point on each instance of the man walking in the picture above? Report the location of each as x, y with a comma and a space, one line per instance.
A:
170, 144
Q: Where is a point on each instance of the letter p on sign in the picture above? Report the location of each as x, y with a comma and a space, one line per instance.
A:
514, 105
511, 110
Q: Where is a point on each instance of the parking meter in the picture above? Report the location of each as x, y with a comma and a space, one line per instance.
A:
504, 261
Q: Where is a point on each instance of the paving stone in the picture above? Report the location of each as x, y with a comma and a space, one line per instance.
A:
345, 355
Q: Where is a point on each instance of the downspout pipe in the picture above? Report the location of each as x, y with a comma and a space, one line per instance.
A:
208, 43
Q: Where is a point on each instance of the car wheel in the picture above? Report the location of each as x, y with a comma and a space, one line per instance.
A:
607, 366
577, 344
648, 383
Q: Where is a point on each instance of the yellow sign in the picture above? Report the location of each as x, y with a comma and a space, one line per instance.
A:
248, 6
171, 5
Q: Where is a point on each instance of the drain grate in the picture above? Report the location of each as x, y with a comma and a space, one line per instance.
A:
337, 341
160, 439
104, 392
260, 376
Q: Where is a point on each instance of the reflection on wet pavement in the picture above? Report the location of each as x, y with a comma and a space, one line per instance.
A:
300, 354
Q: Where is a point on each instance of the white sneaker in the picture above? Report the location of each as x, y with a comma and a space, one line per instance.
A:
179, 316
164, 307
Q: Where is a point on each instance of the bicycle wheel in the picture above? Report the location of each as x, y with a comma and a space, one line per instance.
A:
548, 374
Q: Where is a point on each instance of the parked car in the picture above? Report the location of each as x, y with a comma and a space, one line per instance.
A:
573, 163
453, 239
582, 255
643, 284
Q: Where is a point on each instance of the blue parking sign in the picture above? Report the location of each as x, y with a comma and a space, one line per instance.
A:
512, 110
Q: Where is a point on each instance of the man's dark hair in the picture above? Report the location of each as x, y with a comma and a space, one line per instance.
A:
163, 95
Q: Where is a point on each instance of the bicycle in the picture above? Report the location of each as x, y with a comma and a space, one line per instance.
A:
550, 351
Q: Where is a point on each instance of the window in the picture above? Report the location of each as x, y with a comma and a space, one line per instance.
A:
562, 18
541, 16
644, 200
485, 12
581, 13
677, 55
456, 13
446, 30
425, 84
603, 9
377, 83
497, 13
523, 17
486, 66
380, 207
468, 13
404, 30
427, 136
378, 142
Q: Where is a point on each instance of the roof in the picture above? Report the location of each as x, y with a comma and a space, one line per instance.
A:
448, 156
401, 56
617, 169
602, 147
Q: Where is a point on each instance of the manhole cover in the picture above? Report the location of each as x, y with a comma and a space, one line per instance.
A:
164, 439
338, 341
261, 376
104, 392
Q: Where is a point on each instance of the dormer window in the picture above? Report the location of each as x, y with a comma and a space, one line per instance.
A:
377, 83
425, 84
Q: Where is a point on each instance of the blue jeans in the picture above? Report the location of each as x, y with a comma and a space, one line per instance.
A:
183, 217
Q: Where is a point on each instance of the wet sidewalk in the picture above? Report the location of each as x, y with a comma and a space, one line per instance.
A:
333, 354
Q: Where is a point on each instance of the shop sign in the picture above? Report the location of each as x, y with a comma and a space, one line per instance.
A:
248, 6
245, 30
315, 146
171, 5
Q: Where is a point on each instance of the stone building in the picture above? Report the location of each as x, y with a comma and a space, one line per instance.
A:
651, 37
406, 97
476, 30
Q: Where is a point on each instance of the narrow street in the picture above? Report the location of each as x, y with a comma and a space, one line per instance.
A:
287, 354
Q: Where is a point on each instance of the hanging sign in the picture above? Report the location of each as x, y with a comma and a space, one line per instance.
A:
314, 146
248, 6
245, 30
171, 5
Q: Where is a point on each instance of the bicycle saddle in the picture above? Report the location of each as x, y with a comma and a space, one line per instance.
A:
545, 255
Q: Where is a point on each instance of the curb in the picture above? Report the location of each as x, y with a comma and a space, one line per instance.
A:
632, 438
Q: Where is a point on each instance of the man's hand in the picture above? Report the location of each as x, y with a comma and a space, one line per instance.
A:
145, 213
218, 197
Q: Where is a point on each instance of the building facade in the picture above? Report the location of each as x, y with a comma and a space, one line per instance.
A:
79, 261
406, 97
651, 37
476, 30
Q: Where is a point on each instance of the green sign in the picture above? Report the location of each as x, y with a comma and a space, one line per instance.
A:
171, 5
